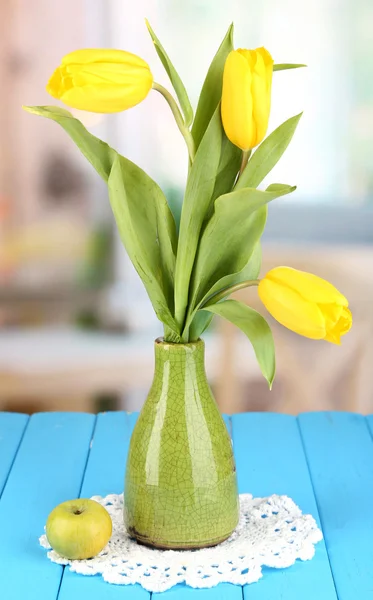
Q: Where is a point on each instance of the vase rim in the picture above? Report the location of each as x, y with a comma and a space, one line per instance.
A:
160, 342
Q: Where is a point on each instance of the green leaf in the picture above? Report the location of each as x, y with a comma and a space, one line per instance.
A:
225, 248
144, 219
97, 152
229, 165
250, 271
196, 205
268, 154
177, 84
231, 236
286, 66
200, 323
254, 199
257, 330
169, 335
212, 88
146, 228
201, 319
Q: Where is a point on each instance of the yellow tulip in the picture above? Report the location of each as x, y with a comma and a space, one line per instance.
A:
246, 97
306, 304
102, 81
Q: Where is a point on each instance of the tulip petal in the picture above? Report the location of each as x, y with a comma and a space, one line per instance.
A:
236, 106
261, 65
345, 322
87, 56
309, 286
342, 326
332, 313
246, 98
250, 57
96, 74
268, 62
54, 84
103, 99
267, 58
334, 337
260, 89
102, 81
291, 310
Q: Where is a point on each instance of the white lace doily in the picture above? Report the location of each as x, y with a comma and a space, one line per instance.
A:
272, 532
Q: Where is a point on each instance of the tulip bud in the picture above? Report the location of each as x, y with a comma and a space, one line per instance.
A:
246, 97
102, 81
306, 304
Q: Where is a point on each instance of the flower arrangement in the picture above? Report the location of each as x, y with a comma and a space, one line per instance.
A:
190, 268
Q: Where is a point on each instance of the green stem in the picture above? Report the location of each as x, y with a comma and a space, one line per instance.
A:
245, 159
185, 335
178, 118
228, 291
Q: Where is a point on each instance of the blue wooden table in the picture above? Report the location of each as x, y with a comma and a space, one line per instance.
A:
324, 461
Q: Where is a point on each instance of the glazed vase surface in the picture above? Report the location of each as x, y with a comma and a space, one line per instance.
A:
180, 486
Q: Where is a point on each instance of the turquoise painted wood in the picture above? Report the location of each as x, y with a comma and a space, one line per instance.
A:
104, 475
48, 468
12, 427
339, 451
324, 461
270, 460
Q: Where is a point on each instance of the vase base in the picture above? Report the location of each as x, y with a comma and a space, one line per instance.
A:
161, 545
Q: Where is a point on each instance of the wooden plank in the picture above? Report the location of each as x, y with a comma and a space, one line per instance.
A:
223, 591
339, 450
12, 427
369, 420
104, 475
270, 460
48, 470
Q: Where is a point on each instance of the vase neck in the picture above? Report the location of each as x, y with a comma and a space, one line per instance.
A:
177, 355
181, 363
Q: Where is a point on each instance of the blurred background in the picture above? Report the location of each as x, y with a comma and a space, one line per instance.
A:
76, 327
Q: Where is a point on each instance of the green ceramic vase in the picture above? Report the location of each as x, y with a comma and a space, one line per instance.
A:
180, 488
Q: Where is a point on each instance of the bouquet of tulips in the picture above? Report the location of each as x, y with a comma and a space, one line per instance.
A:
190, 268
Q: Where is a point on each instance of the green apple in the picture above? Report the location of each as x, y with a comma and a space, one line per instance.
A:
79, 528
